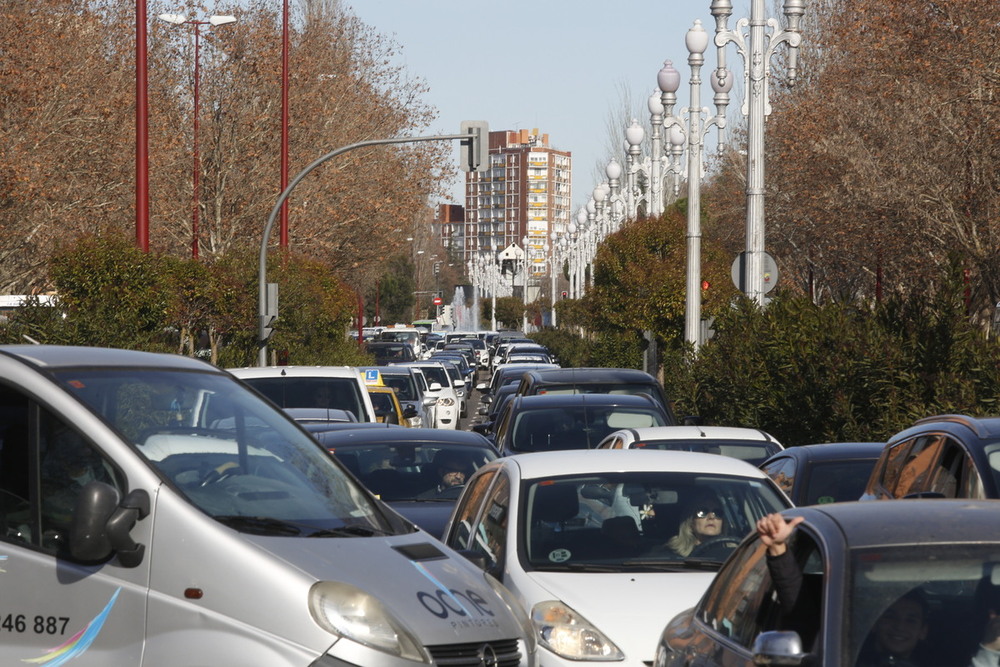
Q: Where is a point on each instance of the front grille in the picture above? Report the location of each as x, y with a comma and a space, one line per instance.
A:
471, 655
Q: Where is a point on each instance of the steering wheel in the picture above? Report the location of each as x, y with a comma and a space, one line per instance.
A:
715, 548
451, 491
220, 473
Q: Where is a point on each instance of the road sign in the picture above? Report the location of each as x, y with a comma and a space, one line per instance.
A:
769, 277
437, 301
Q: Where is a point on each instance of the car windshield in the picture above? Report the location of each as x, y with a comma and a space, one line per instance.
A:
599, 388
436, 374
312, 392
751, 452
406, 388
639, 520
563, 427
403, 471
948, 588
399, 336
230, 453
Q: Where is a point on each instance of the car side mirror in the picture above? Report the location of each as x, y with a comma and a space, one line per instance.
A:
693, 420
779, 647
409, 412
102, 525
481, 386
483, 428
435, 386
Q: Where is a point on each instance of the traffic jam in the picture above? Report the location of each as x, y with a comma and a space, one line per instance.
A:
467, 500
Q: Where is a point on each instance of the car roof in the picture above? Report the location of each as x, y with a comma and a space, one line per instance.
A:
584, 375
296, 371
651, 433
983, 428
68, 356
570, 400
831, 451
403, 435
583, 461
904, 522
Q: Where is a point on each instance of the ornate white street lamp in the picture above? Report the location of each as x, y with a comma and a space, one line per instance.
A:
756, 46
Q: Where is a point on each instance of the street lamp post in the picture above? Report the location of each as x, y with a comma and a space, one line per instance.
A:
756, 47
141, 130
180, 19
668, 79
552, 274
524, 285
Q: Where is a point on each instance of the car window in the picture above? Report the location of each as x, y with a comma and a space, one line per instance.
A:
836, 481
465, 512
406, 389
954, 474
490, 534
639, 518
782, 471
891, 463
312, 392
916, 470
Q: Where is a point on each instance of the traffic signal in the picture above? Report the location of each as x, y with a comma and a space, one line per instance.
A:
565, 294
476, 148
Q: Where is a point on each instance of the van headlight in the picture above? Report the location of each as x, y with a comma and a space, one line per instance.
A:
447, 401
516, 610
348, 611
566, 633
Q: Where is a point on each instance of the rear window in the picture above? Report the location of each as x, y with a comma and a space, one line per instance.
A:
575, 428
312, 392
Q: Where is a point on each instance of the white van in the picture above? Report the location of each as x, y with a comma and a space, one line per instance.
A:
340, 387
156, 512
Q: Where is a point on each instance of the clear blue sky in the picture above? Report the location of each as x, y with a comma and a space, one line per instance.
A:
565, 67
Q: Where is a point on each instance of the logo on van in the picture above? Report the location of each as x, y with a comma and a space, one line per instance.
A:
80, 641
468, 607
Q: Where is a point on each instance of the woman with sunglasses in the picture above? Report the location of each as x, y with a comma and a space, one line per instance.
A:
704, 525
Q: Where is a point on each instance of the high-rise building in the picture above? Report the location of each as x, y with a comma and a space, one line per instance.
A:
526, 192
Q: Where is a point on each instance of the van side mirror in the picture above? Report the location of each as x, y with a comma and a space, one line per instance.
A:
409, 412
779, 647
102, 525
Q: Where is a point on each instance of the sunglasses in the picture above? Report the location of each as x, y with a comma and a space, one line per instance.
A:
704, 513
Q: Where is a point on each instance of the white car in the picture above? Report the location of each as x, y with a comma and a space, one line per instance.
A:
447, 410
580, 538
311, 387
747, 444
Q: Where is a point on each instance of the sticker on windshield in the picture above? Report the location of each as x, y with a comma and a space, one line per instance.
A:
559, 555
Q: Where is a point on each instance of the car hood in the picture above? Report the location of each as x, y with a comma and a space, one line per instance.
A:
631, 608
432, 590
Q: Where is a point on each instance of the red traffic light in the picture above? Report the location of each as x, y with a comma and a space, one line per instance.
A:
565, 294
705, 284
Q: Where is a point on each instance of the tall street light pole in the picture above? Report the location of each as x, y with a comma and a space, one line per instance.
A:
141, 131
756, 48
180, 19
283, 222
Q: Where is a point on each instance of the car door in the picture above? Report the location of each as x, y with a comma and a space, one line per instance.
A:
473, 529
742, 602
56, 607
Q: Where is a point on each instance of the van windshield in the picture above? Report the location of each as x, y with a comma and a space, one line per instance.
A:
231, 454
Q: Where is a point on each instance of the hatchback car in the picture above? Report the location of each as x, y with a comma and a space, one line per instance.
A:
403, 380
947, 456
747, 444
571, 421
831, 472
406, 467
580, 539
909, 582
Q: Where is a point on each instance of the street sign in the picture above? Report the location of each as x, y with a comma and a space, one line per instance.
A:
769, 277
437, 301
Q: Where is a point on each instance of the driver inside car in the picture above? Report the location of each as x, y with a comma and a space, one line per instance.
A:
451, 472
704, 522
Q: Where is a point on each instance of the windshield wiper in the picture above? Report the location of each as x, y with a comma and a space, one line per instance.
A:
576, 567
260, 525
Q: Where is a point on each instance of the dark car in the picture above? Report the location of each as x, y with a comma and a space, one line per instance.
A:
947, 456
510, 373
594, 381
493, 407
572, 421
404, 466
861, 570
831, 472
386, 353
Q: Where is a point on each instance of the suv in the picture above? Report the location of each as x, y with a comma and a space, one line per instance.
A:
947, 456
311, 387
594, 381
439, 385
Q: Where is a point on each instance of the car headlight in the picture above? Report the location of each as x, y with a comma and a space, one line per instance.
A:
348, 611
516, 610
416, 422
566, 633
447, 401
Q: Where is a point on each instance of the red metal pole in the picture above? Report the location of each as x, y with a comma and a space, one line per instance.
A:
197, 156
283, 224
141, 131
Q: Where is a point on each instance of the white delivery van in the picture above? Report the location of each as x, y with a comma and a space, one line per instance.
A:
156, 512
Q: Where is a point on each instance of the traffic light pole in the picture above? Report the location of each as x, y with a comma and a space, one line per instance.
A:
473, 139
